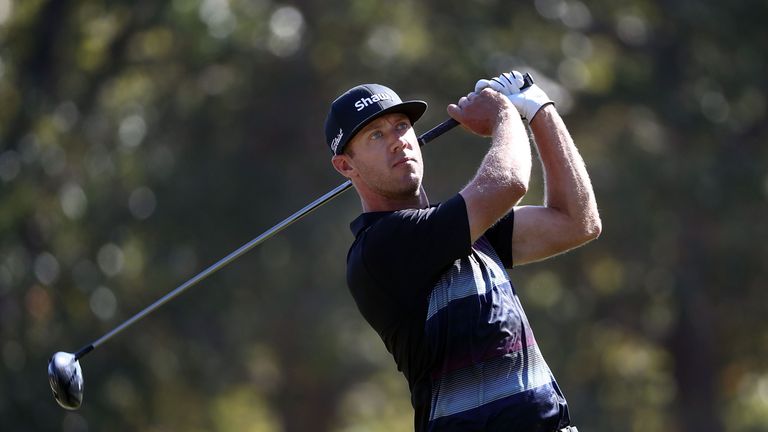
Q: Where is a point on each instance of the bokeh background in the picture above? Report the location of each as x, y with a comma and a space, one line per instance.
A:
141, 141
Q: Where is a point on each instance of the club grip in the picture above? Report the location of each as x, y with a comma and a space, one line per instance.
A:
451, 123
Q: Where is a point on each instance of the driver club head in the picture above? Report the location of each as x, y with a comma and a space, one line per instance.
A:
66, 380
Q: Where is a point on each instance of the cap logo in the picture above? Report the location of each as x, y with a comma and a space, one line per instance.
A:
364, 102
337, 140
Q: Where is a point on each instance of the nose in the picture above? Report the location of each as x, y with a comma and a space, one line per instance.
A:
396, 145
399, 141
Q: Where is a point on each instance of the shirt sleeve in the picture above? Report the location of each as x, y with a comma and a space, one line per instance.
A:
408, 250
500, 237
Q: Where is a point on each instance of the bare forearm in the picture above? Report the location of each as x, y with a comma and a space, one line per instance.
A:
502, 179
567, 185
507, 165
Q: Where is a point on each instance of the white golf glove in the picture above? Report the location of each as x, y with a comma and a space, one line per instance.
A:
528, 101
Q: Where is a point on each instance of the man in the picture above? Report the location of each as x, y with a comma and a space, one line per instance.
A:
430, 279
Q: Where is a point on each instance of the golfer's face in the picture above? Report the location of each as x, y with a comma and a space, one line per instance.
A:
386, 153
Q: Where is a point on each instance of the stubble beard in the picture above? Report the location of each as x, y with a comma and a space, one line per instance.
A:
399, 189
402, 191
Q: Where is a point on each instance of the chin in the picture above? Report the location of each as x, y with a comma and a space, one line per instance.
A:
413, 190
404, 192
412, 183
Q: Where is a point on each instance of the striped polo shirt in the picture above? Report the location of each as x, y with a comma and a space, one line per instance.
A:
452, 320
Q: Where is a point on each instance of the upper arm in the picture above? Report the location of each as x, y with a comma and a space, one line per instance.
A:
541, 232
502, 178
485, 208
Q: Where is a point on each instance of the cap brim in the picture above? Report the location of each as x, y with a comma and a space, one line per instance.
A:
414, 109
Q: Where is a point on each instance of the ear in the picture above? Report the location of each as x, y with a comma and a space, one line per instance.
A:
342, 164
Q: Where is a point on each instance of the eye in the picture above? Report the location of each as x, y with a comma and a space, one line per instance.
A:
403, 126
375, 135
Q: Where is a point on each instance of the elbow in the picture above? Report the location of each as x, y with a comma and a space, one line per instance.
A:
592, 227
518, 189
582, 233
584, 228
595, 229
508, 190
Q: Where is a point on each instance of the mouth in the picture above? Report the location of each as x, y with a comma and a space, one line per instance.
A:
403, 161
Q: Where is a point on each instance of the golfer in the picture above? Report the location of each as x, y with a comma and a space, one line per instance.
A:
431, 279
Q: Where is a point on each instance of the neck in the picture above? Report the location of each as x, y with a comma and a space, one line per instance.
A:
375, 203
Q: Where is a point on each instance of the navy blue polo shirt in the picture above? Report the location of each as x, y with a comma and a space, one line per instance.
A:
452, 320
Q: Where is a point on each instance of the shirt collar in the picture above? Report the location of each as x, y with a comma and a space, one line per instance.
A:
365, 220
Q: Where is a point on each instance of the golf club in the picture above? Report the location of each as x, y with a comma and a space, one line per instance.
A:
64, 373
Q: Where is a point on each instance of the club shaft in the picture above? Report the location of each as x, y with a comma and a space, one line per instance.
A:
314, 205
437, 131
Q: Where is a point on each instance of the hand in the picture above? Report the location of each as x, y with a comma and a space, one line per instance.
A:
480, 112
528, 101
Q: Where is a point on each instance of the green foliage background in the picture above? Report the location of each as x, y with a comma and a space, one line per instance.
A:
141, 141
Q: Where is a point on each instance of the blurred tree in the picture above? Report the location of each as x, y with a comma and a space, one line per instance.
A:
141, 141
